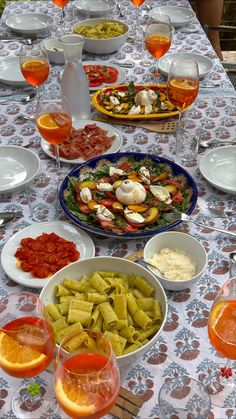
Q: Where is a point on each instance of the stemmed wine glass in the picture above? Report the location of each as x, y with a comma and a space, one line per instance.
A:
137, 4
54, 122
34, 64
61, 4
158, 36
87, 379
222, 335
27, 346
183, 84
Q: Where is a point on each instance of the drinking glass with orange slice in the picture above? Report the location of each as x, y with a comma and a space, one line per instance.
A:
62, 4
222, 335
34, 64
27, 346
87, 379
158, 37
53, 120
183, 83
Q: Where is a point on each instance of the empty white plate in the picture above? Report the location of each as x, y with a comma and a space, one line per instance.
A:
205, 64
95, 8
18, 166
179, 16
10, 72
218, 167
67, 231
29, 22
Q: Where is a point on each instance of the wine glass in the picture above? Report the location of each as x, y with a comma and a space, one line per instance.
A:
87, 379
222, 335
158, 36
61, 4
53, 120
137, 4
27, 346
183, 83
34, 64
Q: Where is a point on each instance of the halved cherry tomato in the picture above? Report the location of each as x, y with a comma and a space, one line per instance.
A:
84, 209
178, 197
125, 165
107, 225
106, 202
110, 74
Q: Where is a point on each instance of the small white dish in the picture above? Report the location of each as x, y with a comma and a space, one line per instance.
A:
181, 241
10, 72
18, 166
121, 74
95, 8
205, 64
83, 241
29, 22
54, 50
179, 16
115, 147
218, 167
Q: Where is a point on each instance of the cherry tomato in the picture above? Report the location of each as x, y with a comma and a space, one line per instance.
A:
178, 197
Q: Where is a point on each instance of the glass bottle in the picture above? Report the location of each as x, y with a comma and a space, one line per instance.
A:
74, 82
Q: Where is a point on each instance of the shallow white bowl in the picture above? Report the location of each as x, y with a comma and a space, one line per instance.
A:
179, 16
95, 8
102, 45
181, 241
54, 50
103, 263
204, 63
27, 23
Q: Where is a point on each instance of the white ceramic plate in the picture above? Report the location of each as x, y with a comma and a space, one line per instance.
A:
29, 22
121, 74
115, 147
95, 8
10, 72
179, 16
18, 166
205, 64
218, 167
83, 241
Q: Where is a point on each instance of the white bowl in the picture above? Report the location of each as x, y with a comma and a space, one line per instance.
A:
102, 45
86, 267
54, 50
95, 8
181, 241
179, 16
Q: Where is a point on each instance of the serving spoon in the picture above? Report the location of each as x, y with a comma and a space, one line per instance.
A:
206, 144
7, 217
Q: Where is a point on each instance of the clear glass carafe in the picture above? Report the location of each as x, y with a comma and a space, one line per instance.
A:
74, 82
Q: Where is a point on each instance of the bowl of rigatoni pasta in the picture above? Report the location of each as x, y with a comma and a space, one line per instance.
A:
118, 297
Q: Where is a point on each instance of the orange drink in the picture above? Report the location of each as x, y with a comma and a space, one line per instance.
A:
157, 44
35, 71
54, 126
87, 378
222, 328
182, 91
60, 3
137, 3
26, 347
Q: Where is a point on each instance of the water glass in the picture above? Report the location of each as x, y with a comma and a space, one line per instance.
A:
182, 398
187, 141
42, 198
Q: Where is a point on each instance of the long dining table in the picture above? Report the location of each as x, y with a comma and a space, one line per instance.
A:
183, 347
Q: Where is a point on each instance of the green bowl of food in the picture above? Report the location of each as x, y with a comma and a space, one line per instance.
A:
102, 36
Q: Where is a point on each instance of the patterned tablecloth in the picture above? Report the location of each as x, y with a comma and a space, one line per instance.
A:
183, 347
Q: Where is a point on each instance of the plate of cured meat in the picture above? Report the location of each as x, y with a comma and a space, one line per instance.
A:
32, 255
88, 139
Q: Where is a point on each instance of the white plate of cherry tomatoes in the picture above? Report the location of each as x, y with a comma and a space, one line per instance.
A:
83, 245
103, 73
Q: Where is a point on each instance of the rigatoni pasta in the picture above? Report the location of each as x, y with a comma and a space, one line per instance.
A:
121, 306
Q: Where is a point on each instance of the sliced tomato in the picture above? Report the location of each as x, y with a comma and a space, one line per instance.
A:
177, 198
84, 209
125, 165
110, 74
107, 225
107, 203
111, 196
131, 228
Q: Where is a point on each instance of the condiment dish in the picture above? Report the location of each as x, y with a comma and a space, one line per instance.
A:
176, 241
54, 50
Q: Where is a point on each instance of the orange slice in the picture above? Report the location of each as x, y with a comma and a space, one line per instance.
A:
72, 399
17, 357
184, 84
46, 121
34, 64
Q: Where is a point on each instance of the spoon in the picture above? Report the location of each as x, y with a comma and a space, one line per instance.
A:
121, 14
25, 118
206, 144
143, 262
185, 217
23, 100
222, 213
7, 217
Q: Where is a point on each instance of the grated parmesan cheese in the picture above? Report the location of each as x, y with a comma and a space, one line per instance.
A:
174, 263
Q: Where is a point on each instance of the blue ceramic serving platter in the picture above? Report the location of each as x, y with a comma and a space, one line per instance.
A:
113, 159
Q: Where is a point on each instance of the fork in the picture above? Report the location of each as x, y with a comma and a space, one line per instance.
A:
185, 217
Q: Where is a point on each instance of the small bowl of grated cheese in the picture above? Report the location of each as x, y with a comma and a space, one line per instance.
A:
180, 257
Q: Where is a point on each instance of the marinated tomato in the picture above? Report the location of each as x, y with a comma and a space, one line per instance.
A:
46, 254
99, 74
